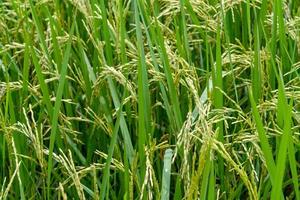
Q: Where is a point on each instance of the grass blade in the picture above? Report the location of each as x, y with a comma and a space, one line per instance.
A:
165, 188
57, 105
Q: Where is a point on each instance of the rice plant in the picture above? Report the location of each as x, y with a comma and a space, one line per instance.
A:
149, 99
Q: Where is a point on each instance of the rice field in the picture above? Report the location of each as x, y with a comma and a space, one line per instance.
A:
149, 99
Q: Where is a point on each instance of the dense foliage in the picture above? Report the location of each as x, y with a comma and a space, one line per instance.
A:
149, 99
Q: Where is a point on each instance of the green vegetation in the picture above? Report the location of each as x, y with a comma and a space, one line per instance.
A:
149, 99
